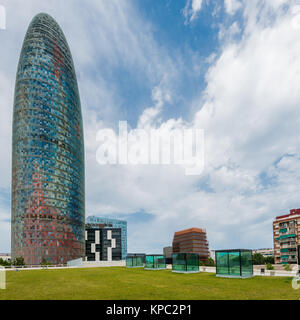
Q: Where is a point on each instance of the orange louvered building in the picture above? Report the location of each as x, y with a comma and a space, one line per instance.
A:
192, 240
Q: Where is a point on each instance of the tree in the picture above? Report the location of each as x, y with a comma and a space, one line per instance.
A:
19, 261
258, 259
4, 263
210, 262
45, 262
287, 267
269, 259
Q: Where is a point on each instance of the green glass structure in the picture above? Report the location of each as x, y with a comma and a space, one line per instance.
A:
155, 262
135, 261
235, 263
185, 262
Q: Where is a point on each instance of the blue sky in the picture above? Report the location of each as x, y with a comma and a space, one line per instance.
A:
230, 67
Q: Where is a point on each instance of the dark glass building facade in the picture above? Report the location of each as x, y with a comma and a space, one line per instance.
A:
48, 202
103, 222
103, 244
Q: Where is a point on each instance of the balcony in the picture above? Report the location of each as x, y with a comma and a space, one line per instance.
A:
286, 236
282, 225
288, 246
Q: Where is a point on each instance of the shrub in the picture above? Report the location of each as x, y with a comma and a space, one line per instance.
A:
270, 266
19, 261
287, 267
4, 263
45, 262
270, 259
210, 262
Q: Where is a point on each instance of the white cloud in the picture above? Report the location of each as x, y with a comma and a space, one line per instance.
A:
191, 10
231, 6
229, 33
149, 115
250, 114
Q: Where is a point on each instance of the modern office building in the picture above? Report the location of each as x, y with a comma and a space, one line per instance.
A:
48, 192
103, 244
168, 251
286, 237
93, 222
191, 241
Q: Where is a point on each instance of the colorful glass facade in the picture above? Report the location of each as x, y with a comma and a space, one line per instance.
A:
48, 202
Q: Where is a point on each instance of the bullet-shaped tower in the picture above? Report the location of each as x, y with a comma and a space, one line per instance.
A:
48, 191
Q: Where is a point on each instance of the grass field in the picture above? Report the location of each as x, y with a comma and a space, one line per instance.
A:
121, 283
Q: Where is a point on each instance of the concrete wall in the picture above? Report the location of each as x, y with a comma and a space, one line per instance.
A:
95, 264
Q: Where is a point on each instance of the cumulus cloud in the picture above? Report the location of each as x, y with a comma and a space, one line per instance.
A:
249, 113
149, 115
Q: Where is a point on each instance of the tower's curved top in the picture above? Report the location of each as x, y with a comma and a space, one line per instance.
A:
45, 33
48, 149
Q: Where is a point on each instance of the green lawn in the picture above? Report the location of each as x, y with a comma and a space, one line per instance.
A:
121, 283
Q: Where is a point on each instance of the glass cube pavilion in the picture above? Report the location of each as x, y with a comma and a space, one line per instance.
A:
235, 263
155, 262
135, 261
185, 262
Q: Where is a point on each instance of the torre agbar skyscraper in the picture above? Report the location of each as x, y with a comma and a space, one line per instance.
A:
48, 202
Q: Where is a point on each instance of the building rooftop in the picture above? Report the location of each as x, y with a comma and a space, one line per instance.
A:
91, 219
293, 212
178, 233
